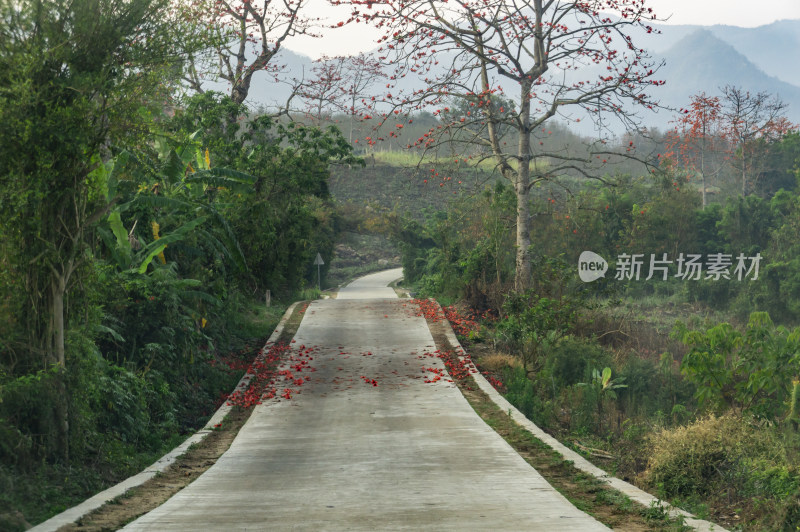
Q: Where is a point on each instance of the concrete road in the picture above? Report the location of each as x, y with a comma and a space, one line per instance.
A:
365, 443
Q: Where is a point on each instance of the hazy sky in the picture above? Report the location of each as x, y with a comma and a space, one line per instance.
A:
355, 38
731, 12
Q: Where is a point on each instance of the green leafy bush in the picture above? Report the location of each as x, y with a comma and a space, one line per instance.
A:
571, 361
522, 393
26, 417
749, 371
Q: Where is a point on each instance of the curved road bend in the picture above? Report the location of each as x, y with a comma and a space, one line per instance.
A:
365, 443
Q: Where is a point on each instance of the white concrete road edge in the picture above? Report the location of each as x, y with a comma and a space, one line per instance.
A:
581, 463
72, 515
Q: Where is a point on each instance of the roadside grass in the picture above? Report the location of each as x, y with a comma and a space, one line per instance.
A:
251, 323
584, 491
734, 470
137, 501
587, 493
33, 496
497, 362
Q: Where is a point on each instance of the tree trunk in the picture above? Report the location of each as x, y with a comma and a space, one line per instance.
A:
703, 165
57, 350
58, 288
61, 410
241, 88
522, 276
744, 173
350, 136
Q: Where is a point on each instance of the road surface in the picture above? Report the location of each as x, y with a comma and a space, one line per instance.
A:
366, 441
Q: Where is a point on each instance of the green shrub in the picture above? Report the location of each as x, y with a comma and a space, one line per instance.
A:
643, 380
571, 361
521, 392
749, 371
27, 426
729, 457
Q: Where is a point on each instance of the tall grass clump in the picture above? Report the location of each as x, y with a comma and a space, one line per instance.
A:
733, 460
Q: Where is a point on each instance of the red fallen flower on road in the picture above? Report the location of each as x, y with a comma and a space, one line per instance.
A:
259, 383
367, 380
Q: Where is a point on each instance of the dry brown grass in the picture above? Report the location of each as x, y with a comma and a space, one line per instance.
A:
741, 466
496, 362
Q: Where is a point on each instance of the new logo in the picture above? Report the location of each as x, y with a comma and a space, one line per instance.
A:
591, 266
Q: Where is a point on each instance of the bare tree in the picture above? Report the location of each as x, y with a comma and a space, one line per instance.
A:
567, 59
322, 93
749, 118
359, 74
341, 84
245, 36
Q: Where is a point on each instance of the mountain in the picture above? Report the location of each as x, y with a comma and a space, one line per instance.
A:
701, 61
775, 48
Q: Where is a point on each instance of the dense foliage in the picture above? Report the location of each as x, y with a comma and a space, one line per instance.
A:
138, 226
594, 361
135, 231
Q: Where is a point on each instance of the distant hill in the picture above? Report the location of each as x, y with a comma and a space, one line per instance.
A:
703, 62
702, 58
774, 48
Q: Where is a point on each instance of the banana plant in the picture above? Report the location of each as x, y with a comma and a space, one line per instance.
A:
604, 387
186, 187
127, 258
605, 384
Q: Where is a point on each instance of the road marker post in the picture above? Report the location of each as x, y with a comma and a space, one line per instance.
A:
319, 262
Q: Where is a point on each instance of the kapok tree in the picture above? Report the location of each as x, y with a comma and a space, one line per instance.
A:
321, 92
569, 59
359, 74
341, 84
750, 120
245, 36
698, 142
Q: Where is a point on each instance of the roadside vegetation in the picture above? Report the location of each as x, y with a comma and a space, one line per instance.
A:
686, 388
590, 494
141, 231
145, 222
200, 456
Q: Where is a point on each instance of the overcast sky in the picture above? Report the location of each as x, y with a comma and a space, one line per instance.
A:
747, 13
